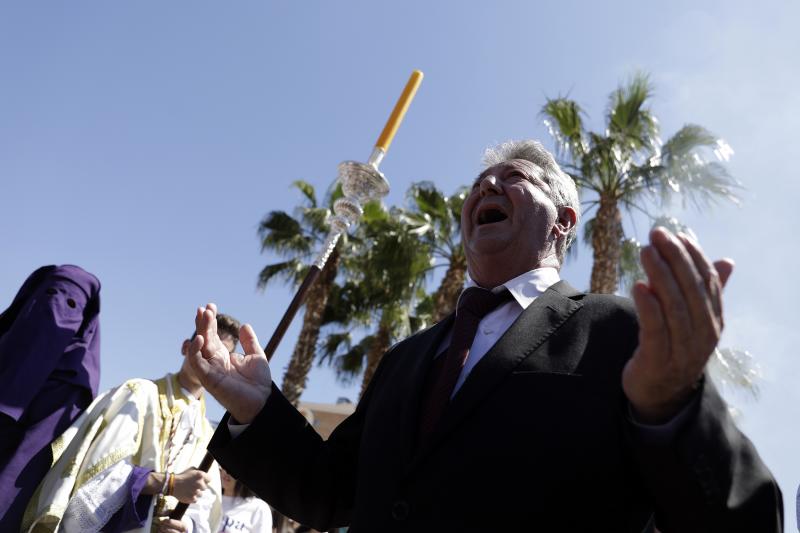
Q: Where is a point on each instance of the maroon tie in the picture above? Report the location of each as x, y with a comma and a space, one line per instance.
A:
474, 304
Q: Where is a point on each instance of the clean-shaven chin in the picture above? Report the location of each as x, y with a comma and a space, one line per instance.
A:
487, 241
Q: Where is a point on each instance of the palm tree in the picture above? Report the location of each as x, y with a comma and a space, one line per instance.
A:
297, 238
387, 271
436, 219
627, 167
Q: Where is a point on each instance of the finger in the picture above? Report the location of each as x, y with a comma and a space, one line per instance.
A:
199, 325
210, 319
211, 315
707, 271
654, 341
250, 344
692, 285
206, 477
671, 301
725, 269
197, 359
197, 344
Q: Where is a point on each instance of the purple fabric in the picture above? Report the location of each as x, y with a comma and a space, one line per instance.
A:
49, 373
134, 512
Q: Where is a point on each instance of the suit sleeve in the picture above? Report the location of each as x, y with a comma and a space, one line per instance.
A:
708, 476
284, 460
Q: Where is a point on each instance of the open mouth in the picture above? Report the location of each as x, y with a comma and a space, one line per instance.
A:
490, 216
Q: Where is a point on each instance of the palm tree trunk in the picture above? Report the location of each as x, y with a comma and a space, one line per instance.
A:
294, 380
607, 246
379, 347
446, 296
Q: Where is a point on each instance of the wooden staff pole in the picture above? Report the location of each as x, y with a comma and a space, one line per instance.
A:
381, 147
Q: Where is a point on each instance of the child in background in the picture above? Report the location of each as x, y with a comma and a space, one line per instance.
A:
242, 510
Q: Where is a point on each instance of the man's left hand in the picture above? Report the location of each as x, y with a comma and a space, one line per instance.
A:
680, 323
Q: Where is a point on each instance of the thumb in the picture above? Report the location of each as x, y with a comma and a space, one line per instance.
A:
249, 341
724, 269
197, 344
196, 359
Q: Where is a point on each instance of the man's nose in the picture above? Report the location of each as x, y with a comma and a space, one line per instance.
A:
490, 185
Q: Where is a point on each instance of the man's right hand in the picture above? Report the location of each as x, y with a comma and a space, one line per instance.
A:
190, 484
240, 384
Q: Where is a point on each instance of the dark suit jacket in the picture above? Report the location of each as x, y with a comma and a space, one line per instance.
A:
537, 439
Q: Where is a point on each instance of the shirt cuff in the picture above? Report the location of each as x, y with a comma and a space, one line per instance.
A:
663, 434
236, 429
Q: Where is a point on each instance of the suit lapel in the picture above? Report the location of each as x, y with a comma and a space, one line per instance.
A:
533, 327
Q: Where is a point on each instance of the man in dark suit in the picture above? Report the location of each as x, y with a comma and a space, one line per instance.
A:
535, 408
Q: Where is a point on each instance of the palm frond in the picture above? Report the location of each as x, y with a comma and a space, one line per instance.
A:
564, 121
292, 271
282, 233
423, 313
316, 219
673, 225
346, 304
374, 211
308, 191
701, 183
629, 121
456, 203
683, 167
736, 370
348, 363
588, 229
332, 344
630, 268
427, 199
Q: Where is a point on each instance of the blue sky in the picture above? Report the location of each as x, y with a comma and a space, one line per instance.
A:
144, 141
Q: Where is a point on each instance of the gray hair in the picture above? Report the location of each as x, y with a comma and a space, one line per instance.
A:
563, 192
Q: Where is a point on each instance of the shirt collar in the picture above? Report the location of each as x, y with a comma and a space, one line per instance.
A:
526, 287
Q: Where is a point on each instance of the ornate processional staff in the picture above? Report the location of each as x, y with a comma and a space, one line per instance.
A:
361, 182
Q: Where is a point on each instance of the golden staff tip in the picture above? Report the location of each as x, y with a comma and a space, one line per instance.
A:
399, 111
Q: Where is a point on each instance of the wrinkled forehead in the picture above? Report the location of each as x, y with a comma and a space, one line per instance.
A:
527, 168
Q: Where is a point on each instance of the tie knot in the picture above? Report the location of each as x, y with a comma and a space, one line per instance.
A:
480, 302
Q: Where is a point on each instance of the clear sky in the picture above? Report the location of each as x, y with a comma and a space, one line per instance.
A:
145, 140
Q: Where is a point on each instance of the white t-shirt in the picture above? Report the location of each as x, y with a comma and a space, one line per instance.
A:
245, 515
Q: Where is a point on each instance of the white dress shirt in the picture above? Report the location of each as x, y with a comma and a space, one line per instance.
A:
525, 288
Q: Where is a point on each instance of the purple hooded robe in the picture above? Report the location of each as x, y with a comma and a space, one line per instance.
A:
49, 373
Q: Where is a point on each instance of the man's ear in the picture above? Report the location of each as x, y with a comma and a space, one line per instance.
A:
185, 347
566, 220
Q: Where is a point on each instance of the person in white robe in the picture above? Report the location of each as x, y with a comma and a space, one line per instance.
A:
130, 459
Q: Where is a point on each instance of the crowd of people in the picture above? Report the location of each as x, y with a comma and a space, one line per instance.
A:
534, 406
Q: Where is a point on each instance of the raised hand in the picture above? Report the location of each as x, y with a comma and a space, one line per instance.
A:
680, 323
240, 383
